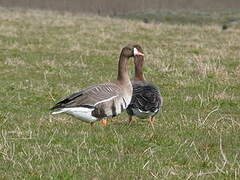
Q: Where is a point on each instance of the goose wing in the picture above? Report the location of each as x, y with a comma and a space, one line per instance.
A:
146, 97
90, 97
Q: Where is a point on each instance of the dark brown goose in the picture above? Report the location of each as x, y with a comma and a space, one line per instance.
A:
146, 100
103, 100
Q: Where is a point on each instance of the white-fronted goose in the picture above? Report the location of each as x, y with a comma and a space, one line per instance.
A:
103, 100
146, 100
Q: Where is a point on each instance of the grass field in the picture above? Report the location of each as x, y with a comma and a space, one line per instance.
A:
45, 56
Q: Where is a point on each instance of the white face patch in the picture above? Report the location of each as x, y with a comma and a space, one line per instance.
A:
135, 51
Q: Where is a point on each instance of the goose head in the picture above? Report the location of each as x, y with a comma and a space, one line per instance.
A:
131, 51
138, 58
127, 52
138, 50
139, 61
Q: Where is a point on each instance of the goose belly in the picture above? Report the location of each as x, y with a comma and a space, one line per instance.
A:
111, 108
84, 114
122, 104
142, 114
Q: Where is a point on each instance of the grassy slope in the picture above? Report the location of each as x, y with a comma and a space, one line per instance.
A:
45, 56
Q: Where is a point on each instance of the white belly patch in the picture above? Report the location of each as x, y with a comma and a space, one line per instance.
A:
82, 113
142, 114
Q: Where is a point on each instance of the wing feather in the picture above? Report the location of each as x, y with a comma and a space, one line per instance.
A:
90, 96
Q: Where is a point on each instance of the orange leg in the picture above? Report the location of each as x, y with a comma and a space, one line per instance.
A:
151, 121
130, 119
103, 122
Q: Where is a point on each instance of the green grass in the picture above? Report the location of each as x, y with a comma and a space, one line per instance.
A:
45, 56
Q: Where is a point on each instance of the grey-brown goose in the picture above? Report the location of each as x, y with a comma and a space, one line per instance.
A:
146, 100
103, 100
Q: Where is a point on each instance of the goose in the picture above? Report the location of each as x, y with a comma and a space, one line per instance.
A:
146, 99
104, 100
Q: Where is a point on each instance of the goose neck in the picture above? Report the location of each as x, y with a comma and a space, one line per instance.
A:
123, 68
139, 61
